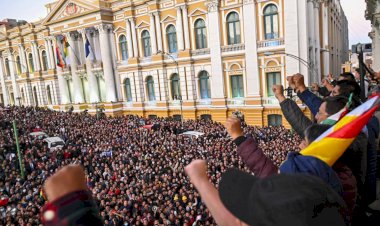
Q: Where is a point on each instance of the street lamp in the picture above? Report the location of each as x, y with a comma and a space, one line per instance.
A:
179, 97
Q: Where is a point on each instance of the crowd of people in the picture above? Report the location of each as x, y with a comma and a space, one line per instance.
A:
136, 175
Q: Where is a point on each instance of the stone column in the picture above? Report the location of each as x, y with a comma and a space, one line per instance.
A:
54, 53
129, 39
105, 49
36, 56
158, 29
63, 88
251, 64
16, 91
317, 65
77, 82
2, 80
92, 81
179, 29
326, 55
50, 53
153, 34
47, 48
186, 26
134, 38
217, 88
24, 67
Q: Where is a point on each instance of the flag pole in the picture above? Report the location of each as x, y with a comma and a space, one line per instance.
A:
18, 149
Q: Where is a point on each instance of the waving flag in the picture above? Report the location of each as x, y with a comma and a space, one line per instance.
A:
65, 46
331, 145
60, 61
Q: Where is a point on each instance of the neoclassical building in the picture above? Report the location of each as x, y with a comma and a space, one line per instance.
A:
205, 58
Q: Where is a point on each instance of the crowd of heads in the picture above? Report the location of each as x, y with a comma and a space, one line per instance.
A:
135, 174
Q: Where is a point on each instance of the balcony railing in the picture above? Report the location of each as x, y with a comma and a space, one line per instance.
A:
145, 59
44, 73
199, 52
204, 102
175, 103
233, 48
270, 101
271, 43
151, 103
236, 101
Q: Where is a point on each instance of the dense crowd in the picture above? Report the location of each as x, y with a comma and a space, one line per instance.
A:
135, 174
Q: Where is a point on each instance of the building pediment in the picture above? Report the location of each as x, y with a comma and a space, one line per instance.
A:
197, 12
142, 24
119, 29
168, 18
68, 9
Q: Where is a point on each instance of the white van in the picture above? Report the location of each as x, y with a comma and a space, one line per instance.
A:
54, 143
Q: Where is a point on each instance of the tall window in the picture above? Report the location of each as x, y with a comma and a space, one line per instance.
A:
31, 65
150, 88
145, 37
171, 36
233, 28
128, 90
204, 85
237, 86
274, 120
123, 47
175, 86
18, 64
271, 21
44, 60
7, 67
272, 79
48, 92
200, 34
35, 96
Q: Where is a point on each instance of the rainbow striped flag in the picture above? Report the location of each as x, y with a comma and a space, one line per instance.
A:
60, 61
331, 145
65, 46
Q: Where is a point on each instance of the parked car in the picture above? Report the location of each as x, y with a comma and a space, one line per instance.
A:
54, 143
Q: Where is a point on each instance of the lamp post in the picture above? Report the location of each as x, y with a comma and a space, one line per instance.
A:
179, 97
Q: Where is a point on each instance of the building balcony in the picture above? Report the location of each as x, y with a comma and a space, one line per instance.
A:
152, 103
200, 52
44, 73
271, 43
204, 102
146, 59
175, 103
233, 48
236, 102
270, 101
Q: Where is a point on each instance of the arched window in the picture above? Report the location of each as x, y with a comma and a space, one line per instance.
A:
274, 120
171, 36
237, 86
128, 90
175, 86
44, 60
200, 34
18, 64
145, 38
271, 21
204, 85
150, 88
123, 47
233, 28
31, 64
48, 92
7, 67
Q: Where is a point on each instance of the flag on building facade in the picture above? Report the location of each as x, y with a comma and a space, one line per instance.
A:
331, 145
65, 47
88, 50
60, 61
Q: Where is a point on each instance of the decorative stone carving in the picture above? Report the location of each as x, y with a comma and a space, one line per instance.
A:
212, 5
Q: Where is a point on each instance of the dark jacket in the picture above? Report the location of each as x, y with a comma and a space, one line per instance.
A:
295, 116
254, 158
312, 101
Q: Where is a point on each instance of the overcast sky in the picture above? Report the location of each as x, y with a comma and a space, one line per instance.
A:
32, 10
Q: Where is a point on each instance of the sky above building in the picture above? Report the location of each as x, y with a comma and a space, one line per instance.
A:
32, 10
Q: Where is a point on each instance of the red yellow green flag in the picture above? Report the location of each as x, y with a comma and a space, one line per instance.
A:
331, 145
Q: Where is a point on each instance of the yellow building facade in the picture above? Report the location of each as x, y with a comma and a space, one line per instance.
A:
158, 58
